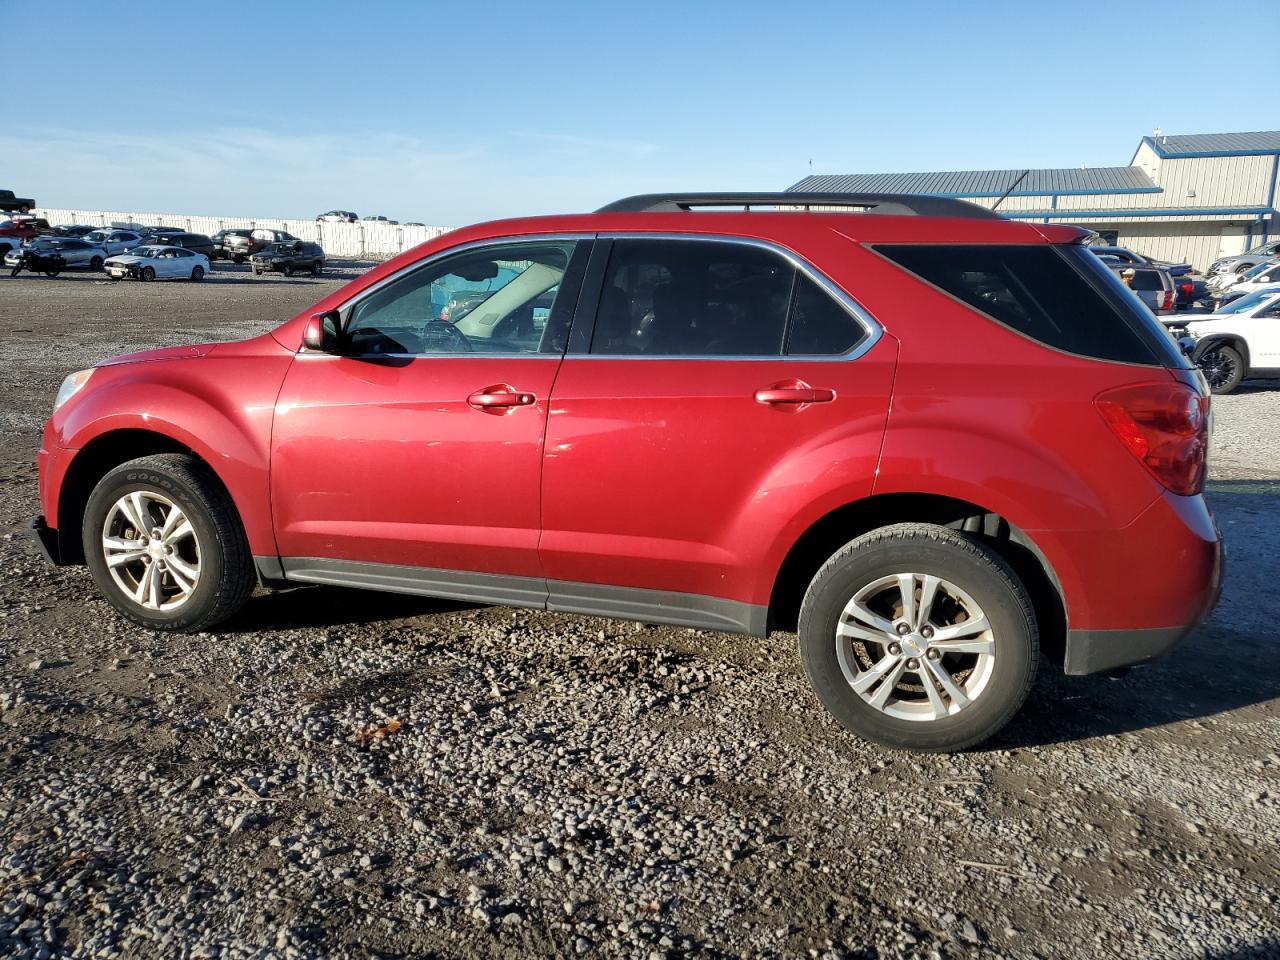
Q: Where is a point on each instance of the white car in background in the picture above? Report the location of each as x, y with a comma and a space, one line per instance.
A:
1224, 285
1241, 340
158, 263
114, 240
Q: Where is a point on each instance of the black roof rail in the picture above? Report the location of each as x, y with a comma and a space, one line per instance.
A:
894, 204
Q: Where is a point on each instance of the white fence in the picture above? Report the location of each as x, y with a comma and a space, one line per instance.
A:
361, 240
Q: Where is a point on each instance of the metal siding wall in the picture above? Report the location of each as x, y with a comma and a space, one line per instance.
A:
371, 240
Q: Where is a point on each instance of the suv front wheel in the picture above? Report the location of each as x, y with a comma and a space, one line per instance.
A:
164, 544
917, 637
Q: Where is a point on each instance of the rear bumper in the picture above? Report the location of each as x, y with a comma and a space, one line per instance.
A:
1097, 651
1177, 571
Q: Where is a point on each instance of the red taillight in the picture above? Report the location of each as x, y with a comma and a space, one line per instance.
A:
1164, 425
1168, 300
1188, 289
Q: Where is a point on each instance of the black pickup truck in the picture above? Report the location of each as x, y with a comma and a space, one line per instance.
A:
11, 204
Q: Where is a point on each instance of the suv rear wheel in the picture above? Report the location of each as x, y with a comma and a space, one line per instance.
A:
164, 544
917, 637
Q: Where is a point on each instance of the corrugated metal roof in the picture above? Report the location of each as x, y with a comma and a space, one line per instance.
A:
987, 183
1216, 144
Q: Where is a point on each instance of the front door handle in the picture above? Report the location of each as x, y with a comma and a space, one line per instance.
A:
500, 397
794, 392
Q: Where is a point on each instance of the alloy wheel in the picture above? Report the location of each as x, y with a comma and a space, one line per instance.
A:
915, 646
151, 550
1218, 368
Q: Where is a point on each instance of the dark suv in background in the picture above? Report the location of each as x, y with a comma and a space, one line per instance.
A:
223, 237
195, 242
239, 245
289, 258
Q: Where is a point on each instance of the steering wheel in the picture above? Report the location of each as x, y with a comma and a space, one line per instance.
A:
461, 340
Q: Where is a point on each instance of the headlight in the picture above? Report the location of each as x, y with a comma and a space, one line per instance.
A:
70, 387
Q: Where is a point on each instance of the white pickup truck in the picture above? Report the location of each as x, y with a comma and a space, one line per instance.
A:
1240, 340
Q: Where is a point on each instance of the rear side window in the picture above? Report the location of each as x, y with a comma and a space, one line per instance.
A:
1147, 280
707, 298
1061, 296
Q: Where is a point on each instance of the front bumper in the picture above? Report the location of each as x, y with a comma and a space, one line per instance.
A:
48, 540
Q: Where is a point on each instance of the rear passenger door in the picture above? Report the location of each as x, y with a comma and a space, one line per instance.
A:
721, 395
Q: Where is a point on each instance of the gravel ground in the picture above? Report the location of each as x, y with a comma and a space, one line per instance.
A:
341, 773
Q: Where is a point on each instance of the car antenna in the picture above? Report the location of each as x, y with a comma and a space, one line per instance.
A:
1021, 177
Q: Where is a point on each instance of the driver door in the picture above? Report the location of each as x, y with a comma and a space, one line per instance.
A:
419, 443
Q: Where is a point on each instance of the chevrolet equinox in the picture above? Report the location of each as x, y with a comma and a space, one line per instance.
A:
937, 444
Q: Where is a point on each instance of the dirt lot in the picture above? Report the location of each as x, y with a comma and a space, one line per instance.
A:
568, 785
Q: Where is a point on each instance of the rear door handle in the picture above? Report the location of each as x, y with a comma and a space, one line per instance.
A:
794, 392
499, 397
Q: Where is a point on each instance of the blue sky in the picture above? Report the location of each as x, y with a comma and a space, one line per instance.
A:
448, 113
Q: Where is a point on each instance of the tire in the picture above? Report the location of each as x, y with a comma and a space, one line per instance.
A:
52, 273
1223, 368
972, 584
287, 270
1243, 268
215, 549
95, 263
24, 209
317, 268
237, 258
197, 274
147, 273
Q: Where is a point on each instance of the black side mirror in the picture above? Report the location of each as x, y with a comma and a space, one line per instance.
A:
323, 332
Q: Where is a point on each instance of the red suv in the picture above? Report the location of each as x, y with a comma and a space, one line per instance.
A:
934, 442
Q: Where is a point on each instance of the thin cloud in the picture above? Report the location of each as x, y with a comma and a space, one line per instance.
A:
252, 171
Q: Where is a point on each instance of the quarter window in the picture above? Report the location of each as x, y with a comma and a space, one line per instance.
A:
663, 297
819, 325
1063, 297
498, 299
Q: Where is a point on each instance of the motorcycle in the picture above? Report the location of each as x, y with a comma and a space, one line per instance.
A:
34, 261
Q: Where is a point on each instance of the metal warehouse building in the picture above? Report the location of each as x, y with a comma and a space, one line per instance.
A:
1190, 198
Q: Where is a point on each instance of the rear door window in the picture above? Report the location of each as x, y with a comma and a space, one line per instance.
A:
820, 324
1060, 296
664, 297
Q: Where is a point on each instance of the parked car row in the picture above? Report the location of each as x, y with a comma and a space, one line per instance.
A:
1239, 336
346, 216
150, 253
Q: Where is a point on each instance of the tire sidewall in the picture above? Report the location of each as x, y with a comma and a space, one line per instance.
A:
115, 485
1015, 656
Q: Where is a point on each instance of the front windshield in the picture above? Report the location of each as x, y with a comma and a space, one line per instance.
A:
1264, 247
144, 251
282, 248
1248, 302
43, 245
96, 236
